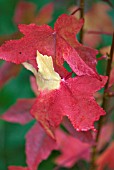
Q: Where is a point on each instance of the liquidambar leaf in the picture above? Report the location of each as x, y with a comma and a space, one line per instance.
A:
60, 43
8, 71
73, 99
71, 149
19, 112
38, 146
25, 12
46, 77
82, 136
106, 158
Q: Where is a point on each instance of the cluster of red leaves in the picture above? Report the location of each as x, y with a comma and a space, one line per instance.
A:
73, 99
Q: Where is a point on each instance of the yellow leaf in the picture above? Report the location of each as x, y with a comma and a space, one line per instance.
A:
46, 77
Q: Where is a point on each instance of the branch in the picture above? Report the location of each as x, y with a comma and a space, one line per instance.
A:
81, 16
104, 106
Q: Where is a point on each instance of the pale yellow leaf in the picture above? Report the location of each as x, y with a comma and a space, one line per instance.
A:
46, 77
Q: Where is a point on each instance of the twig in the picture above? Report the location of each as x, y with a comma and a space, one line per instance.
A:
104, 106
81, 16
109, 2
76, 10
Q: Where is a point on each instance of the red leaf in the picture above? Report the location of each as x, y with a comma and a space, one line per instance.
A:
17, 168
73, 99
12, 51
25, 12
19, 112
105, 135
59, 43
38, 146
45, 14
8, 71
71, 150
83, 136
106, 158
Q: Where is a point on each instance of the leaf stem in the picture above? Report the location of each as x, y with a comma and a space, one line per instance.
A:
104, 106
81, 16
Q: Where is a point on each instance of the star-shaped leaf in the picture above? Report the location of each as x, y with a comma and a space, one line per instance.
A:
73, 99
60, 43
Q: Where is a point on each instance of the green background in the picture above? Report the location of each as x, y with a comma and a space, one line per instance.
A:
12, 141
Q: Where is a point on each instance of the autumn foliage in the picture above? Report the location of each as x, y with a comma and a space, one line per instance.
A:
72, 105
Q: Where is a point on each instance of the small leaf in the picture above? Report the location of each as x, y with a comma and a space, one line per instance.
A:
46, 77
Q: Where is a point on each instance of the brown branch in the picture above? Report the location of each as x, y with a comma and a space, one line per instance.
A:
81, 16
104, 106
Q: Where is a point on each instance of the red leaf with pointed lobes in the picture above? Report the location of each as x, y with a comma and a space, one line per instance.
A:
19, 51
73, 99
71, 149
19, 112
58, 43
17, 168
106, 158
82, 136
67, 27
8, 71
38, 146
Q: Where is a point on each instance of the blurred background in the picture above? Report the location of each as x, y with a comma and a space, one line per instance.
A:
15, 83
